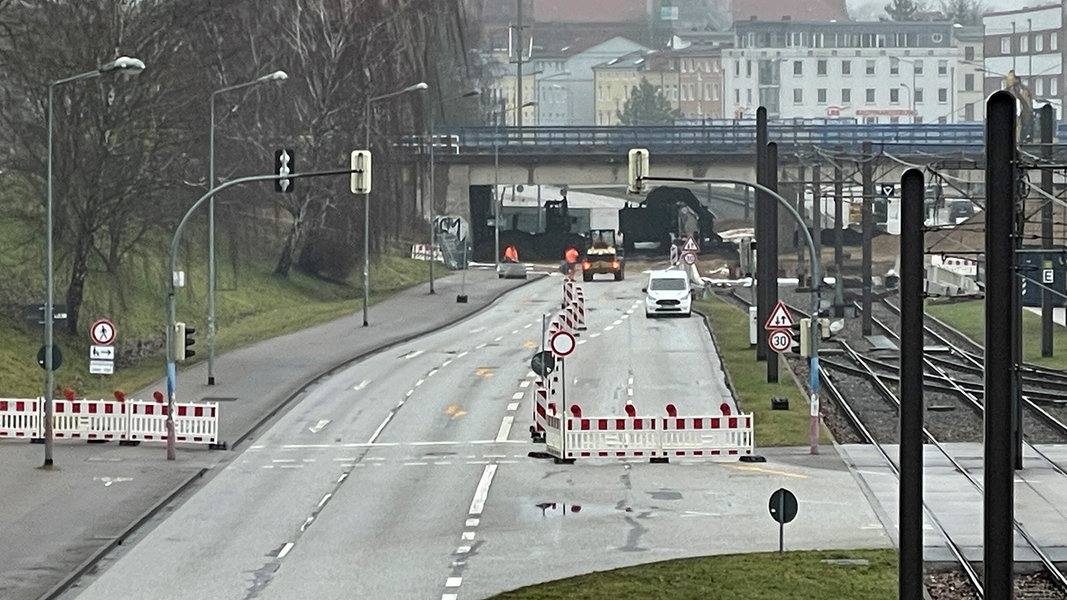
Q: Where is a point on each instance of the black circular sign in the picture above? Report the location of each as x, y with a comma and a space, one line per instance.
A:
57, 357
543, 363
783, 505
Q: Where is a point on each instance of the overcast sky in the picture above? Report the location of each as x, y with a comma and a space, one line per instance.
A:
989, 5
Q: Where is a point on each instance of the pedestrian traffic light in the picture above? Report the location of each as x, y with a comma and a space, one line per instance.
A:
638, 161
284, 164
361, 171
183, 338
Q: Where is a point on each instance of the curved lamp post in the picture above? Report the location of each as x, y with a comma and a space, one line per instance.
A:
366, 207
497, 200
275, 76
122, 64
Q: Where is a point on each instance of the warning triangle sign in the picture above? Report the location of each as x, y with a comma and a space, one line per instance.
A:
690, 245
780, 317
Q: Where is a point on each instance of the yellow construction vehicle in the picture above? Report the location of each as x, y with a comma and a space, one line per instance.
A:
604, 255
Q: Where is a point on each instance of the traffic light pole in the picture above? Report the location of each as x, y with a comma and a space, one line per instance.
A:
172, 318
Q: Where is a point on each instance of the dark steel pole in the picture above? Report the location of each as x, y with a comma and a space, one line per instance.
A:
763, 202
816, 211
910, 569
868, 232
770, 252
1000, 283
1048, 301
839, 252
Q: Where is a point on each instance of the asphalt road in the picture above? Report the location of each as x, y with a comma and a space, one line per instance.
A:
407, 475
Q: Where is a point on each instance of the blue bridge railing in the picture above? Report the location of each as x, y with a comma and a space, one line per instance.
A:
728, 137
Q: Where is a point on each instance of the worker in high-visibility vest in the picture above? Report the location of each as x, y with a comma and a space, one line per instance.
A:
570, 261
511, 254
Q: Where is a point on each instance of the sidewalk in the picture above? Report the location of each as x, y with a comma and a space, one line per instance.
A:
55, 523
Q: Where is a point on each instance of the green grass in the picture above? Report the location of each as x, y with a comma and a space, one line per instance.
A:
749, 379
969, 319
763, 576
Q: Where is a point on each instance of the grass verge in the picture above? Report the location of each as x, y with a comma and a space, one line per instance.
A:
969, 318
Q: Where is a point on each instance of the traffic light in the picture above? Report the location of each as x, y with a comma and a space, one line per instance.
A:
361, 171
638, 160
284, 164
183, 338
805, 334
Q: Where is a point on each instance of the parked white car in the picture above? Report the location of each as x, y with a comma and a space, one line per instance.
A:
668, 292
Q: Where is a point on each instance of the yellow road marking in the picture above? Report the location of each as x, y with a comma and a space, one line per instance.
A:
483, 372
770, 471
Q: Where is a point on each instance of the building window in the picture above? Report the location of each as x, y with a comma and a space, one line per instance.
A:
1024, 43
1039, 86
737, 96
820, 67
798, 96
748, 68
846, 67
820, 95
968, 82
1053, 85
942, 67
918, 95
1039, 43
942, 120
919, 67
894, 119
798, 68
968, 53
1053, 41
870, 67
942, 95
748, 96
894, 66
870, 95
968, 112
737, 69
846, 96
917, 119
1005, 45
894, 95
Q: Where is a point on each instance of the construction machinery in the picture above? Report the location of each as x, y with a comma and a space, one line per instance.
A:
604, 255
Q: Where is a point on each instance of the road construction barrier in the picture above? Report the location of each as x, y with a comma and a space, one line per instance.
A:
124, 421
579, 309
656, 438
20, 418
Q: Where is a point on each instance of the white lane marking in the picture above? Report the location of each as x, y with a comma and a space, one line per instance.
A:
446, 363
408, 394
582, 341
467, 536
432, 373
630, 380
617, 322
411, 355
415, 464
378, 431
514, 331
283, 460
513, 406
593, 335
449, 597
625, 316
463, 550
477, 329
518, 395
527, 326
481, 493
317, 427
361, 385
480, 346
505, 428
324, 500
525, 383
285, 550
462, 354
498, 338
420, 382
608, 328
453, 582
472, 522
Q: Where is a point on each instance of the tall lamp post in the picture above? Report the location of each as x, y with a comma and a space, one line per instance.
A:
911, 99
433, 190
275, 76
366, 208
500, 115
123, 64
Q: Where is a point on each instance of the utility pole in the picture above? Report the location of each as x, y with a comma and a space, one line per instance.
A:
518, 65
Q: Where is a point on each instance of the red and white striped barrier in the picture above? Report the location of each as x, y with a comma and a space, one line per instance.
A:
568, 292
20, 418
655, 438
579, 309
124, 421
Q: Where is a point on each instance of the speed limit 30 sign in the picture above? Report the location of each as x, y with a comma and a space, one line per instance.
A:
779, 340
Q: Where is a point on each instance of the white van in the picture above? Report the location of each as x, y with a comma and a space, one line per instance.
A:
668, 293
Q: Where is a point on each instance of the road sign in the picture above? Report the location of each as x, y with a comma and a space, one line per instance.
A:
57, 357
101, 353
780, 318
1048, 276
562, 343
689, 258
690, 246
887, 190
102, 332
783, 505
101, 367
543, 363
779, 340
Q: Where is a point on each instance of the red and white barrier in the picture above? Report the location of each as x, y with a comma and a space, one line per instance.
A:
20, 418
125, 421
579, 309
655, 438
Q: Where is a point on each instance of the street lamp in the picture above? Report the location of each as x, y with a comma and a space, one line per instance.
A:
275, 76
914, 114
911, 98
433, 142
122, 64
496, 179
366, 208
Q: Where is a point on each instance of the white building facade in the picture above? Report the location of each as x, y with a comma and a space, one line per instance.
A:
870, 72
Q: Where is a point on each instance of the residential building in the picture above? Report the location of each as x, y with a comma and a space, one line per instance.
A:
700, 75
1028, 42
874, 72
614, 80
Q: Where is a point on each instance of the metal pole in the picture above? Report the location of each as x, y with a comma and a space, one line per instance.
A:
769, 251
1000, 283
868, 233
910, 582
839, 252
1047, 299
430, 197
366, 222
518, 66
763, 309
496, 202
